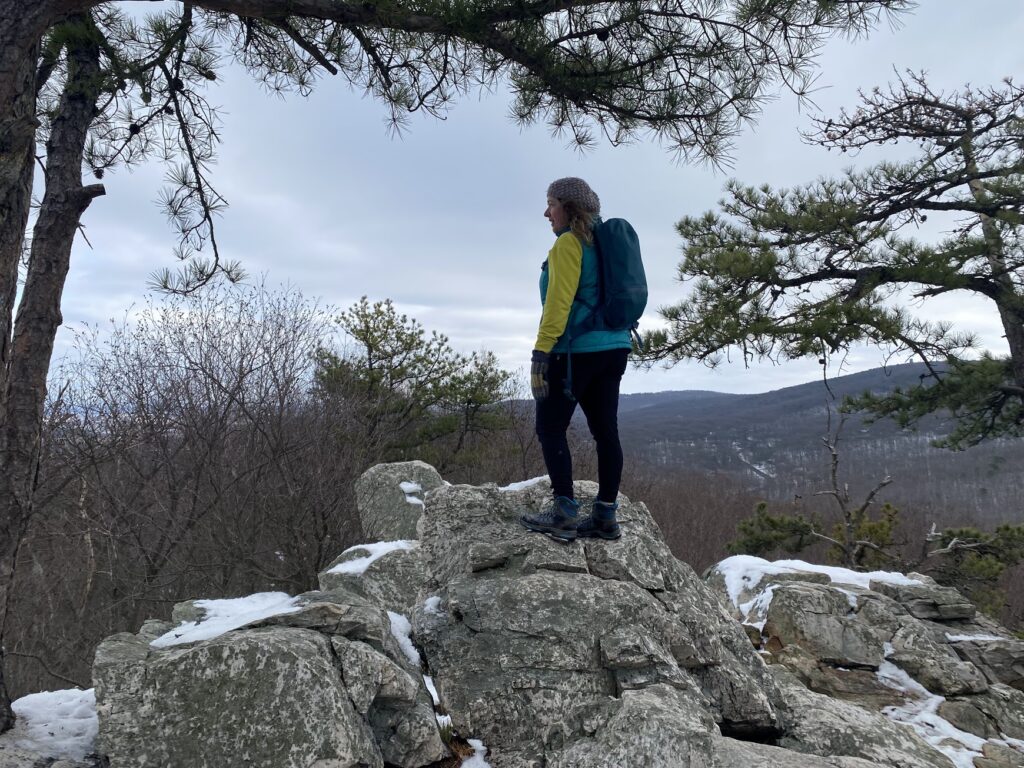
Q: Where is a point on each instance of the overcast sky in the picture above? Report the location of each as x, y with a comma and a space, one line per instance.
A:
447, 219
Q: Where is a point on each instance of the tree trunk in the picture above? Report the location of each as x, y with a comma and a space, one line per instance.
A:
1009, 301
27, 356
19, 49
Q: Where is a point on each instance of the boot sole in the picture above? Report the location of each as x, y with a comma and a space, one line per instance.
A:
562, 537
605, 536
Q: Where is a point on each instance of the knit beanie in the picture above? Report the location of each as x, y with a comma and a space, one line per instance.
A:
572, 189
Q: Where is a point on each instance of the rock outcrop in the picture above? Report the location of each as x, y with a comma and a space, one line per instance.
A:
390, 510
890, 644
595, 654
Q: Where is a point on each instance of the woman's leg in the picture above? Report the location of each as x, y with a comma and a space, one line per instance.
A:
600, 403
553, 416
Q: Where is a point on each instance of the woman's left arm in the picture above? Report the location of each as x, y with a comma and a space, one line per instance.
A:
564, 265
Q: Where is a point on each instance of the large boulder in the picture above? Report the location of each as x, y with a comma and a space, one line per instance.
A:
1001, 660
930, 662
388, 574
390, 498
821, 725
928, 601
272, 696
521, 633
899, 647
820, 620
322, 683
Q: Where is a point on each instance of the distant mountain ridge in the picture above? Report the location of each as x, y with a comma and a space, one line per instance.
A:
772, 442
797, 411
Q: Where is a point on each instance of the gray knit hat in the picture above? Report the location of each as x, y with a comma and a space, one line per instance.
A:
572, 189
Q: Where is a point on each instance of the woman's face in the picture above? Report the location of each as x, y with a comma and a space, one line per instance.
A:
556, 214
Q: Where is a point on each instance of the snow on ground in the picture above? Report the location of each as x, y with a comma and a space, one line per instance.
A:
746, 571
401, 629
224, 615
522, 484
374, 552
477, 759
976, 638
55, 724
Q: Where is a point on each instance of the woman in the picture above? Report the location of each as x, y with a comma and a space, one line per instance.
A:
570, 367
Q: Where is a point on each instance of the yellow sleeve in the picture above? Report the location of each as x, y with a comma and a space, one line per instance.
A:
564, 264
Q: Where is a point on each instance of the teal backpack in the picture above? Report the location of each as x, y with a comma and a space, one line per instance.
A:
622, 284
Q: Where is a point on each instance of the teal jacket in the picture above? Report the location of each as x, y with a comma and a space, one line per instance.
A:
568, 284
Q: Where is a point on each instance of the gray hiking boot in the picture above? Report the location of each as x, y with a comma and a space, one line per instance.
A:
601, 523
558, 521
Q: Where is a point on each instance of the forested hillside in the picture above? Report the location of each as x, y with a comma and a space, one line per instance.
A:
771, 443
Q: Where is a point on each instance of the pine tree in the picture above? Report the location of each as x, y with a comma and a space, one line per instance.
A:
814, 270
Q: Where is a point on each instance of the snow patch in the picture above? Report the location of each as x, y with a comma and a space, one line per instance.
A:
975, 638
851, 597
374, 553
429, 682
432, 605
476, 760
401, 629
520, 486
409, 488
921, 712
758, 607
225, 615
55, 724
746, 571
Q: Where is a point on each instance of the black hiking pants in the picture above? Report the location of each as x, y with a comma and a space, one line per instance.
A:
595, 385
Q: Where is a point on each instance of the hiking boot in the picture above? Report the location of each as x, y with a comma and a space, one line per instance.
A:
558, 521
600, 524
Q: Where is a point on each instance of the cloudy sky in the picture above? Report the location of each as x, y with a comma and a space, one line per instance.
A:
447, 219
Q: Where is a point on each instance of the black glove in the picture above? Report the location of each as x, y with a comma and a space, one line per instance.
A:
539, 374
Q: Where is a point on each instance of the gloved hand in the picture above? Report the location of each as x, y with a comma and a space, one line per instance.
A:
539, 374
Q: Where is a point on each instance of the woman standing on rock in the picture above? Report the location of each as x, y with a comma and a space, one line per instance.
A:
586, 368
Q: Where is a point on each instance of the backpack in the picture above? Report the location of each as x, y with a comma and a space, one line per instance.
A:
622, 284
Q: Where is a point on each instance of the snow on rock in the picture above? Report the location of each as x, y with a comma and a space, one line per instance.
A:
225, 615
443, 721
746, 571
55, 724
523, 484
973, 638
409, 488
373, 551
433, 605
758, 607
476, 760
429, 682
402, 631
921, 712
